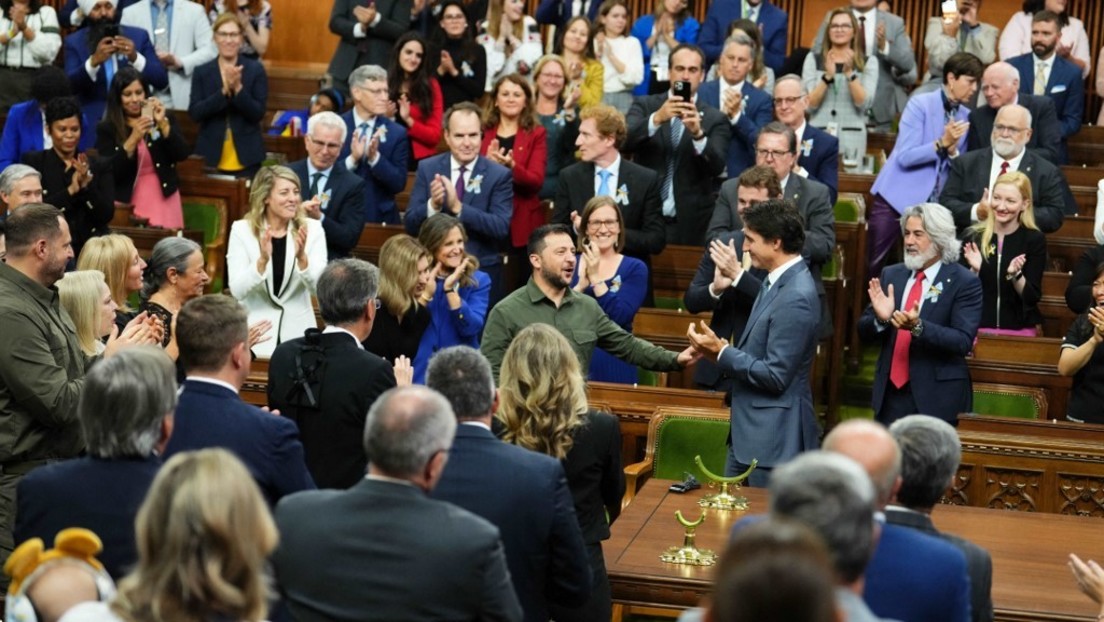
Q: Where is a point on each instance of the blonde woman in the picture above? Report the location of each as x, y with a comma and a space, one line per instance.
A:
85, 296
1008, 252
621, 55
555, 107
406, 285
511, 39
116, 257
275, 257
548, 413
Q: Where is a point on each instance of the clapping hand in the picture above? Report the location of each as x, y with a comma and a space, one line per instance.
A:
259, 332
454, 277
733, 102
404, 371
313, 207
726, 265
881, 302
364, 14
706, 342
880, 35
983, 206
906, 320
301, 245
973, 256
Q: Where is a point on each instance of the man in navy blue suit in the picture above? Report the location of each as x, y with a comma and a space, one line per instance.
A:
522, 492
746, 107
818, 151
213, 336
1043, 72
96, 51
558, 12
330, 192
773, 24
925, 312
472, 188
376, 148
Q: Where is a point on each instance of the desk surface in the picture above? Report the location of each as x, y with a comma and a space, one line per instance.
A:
1031, 580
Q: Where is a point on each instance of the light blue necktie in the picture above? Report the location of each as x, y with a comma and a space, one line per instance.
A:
603, 185
669, 179
109, 70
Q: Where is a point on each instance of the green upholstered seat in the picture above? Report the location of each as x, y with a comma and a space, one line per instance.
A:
1017, 405
209, 216
680, 438
850, 207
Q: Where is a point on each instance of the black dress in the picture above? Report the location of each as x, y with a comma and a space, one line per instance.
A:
471, 61
1086, 398
390, 338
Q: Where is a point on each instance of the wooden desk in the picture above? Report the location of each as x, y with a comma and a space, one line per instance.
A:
1030, 577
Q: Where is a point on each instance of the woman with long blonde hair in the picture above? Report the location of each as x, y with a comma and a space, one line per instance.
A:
406, 276
116, 257
547, 412
85, 296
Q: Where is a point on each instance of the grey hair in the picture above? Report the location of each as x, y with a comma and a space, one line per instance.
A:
14, 173
327, 119
741, 38
931, 453
345, 288
124, 400
168, 253
463, 375
792, 77
406, 426
1006, 71
1021, 109
367, 73
831, 494
940, 226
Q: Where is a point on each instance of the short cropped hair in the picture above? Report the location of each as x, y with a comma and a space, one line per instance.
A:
170, 252
963, 64
208, 328
406, 426
124, 400
777, 219
778, 127
1047, 16
467, 107
463, 375
686, 46
14, 173
61, 108
761, 177
930, 455
327, 119
538, 238
367, 73
608, 121
30, 223
344, 290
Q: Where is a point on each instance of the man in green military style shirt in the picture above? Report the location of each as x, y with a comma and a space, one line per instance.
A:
548, 299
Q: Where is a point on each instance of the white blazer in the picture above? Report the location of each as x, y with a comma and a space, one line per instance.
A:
190, 40
290, 312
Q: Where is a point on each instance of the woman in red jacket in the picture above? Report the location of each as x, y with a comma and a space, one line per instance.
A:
416, 100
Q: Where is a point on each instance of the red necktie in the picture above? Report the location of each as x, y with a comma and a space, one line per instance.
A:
1004, 167
899, 368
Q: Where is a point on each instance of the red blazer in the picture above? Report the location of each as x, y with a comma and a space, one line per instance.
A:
425, 133
530, 156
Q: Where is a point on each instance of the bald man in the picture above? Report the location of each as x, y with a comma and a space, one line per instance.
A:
1000, 85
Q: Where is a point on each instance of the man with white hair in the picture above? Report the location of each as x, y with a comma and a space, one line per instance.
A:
922, 365
1000, 85
19, 185
973, 174
330, 192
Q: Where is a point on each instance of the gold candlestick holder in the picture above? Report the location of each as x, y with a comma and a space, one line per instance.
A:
689, 554
726, 499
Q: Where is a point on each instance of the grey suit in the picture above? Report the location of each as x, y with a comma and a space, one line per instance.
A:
385, 551
981, 42
373, 49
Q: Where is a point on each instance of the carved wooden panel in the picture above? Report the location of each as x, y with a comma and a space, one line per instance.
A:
958, 492
1012, 489
1080, 494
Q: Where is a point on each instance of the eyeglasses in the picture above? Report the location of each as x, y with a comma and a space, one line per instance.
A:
376, 303
228, 35
786, 101
327, 146
1007, 129
595, 225
768, 154
841, 26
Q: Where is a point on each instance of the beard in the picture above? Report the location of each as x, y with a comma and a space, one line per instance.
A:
554, 278
1007, 148
1042, 50
97, 30
917, 261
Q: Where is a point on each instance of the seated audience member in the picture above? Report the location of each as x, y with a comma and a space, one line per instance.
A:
930, 455
213, 335
31, 39
915, 172
175, 274
620, 54
912, 576
556, 109
181, 37
79, 184
294, 122
116, 257
276, 254
552, 417
330, 193
228, 101
511, 39
746, 107
204, 536
72, 14
1082, 359
325, 382
99, 49
618, 282
472, 188
461, 291
769, 19
126, 414
255, 17
25, 125
1000, 84
522, 492
19, 185
968, 190
376, 147
1008, 252
437, 562
667, 27
1079, 296
1044, 73
406, 282
415, 96
818, 159
85, 297
46, 584
461, 68
547, 298
955, 32
576, 45
144, 145
1016, 38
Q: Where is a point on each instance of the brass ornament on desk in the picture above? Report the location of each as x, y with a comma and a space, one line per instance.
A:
689, 554
725, 500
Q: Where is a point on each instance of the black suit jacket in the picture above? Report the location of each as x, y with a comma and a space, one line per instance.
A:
1046, 132
89, 211
326, 383
979, 565
344, 213
164, 151
969, 178
1079, 291
595, 476
694, 174
375, 48
243, 112
525, 495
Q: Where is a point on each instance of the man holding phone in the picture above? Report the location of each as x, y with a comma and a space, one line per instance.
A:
685, 142
181, 35
957, 29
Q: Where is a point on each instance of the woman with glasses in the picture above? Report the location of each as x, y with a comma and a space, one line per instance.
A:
557, 111
416, 100
616, 281
841, 86
255, 17
461, 68
659, 33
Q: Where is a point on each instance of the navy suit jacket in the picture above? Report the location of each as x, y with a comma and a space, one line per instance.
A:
525, 495
487, 207
915, 577
773, 24
244, 112
388, 177
758, 112
101, 495
343, 214
209, 415
1046, 133
93, 94
818, 154
1065, 87
72, 5
558, 12
938, 374
23, 133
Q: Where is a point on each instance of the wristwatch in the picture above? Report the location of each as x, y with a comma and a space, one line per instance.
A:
918, 329
854, 76
455, 289
827, 80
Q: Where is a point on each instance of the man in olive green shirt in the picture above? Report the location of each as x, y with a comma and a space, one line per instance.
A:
548, 299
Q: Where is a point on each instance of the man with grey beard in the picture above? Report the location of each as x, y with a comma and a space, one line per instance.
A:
974, 173
925, 312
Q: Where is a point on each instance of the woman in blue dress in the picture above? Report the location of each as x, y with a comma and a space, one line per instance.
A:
617, 282
458, 308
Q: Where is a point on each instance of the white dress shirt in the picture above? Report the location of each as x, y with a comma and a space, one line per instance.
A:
350, 163
328, 330
454, 168
994, 173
